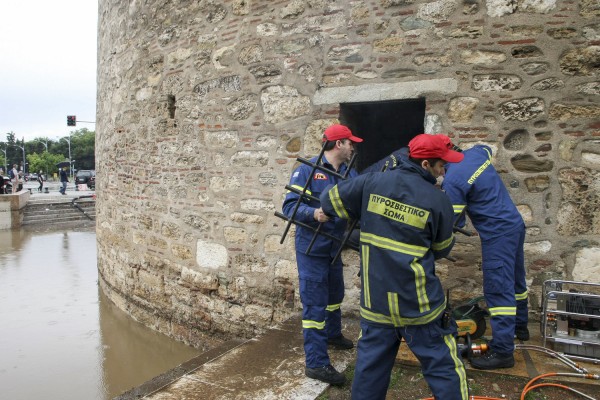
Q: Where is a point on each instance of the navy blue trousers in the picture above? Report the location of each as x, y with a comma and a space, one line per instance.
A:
504, 287
434, 347
321, 294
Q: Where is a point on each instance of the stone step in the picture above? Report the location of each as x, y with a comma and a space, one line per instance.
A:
56, 210
57, 217
51, 209
52, 219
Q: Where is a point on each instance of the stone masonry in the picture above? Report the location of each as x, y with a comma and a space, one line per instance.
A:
203, 107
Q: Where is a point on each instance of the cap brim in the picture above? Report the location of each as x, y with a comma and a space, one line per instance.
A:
355, 139
453, 156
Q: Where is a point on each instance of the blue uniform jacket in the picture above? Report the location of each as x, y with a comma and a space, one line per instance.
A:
406, 223
389, 162
323, 246
474, 185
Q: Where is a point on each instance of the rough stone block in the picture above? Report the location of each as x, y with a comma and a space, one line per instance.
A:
587, 265
211, 255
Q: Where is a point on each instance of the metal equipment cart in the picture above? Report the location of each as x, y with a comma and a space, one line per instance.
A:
571, 318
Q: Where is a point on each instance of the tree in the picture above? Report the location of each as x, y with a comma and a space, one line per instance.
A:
82, 148
12, 154
44, 162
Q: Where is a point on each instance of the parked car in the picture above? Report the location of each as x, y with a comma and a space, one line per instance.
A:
87, 177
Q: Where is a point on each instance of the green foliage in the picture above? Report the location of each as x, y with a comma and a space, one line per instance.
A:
83, 148
45, 162
43, 153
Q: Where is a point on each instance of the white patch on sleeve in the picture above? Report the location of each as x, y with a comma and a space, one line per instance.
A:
296, 174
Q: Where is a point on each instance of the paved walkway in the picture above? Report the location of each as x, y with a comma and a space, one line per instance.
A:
271, 367
53, 193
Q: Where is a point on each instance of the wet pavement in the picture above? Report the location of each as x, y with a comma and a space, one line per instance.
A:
269, 367
272, 367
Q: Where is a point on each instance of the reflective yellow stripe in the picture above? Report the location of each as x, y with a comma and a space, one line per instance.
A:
365, 276
420, 282
389, 244
394, 308
488, 153
458, 208
522, 296
403, 321
336, 202
497, 311
333, 307
479, 171
308, 324
442, 245
375, 317
458, 366
300, 188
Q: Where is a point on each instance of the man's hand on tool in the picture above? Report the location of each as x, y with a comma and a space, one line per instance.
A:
320, 215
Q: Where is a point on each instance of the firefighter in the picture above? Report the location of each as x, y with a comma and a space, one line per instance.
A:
406, 224
321, 284
388, 162
474, 186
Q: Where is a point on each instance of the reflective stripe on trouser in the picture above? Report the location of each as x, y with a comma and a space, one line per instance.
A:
321, 293
504, 287
434, 346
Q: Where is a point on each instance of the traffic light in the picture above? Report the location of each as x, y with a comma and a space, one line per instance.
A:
71, 120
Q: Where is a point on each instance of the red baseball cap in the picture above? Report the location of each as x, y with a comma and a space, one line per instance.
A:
338, 132
434, 146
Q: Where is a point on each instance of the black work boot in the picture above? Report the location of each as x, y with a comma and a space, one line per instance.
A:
340, 343
326, 374
493, 360
522, 333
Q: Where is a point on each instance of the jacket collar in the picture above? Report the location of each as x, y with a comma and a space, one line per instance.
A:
409, 166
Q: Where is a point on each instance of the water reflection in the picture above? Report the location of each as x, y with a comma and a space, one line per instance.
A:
60, 337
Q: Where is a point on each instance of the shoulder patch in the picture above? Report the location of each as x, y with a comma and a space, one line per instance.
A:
296, 174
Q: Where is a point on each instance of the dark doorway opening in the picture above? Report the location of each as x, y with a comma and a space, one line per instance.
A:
385, 126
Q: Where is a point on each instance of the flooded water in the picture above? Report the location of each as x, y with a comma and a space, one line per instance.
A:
60, 337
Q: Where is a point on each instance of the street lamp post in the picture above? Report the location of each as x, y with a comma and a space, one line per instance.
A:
45, 145
22, 148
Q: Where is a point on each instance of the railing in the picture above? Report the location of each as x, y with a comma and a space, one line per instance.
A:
77, 206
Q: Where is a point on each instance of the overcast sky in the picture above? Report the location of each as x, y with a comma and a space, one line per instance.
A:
47, 66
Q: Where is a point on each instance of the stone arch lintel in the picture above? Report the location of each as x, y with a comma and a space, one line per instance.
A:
384, 91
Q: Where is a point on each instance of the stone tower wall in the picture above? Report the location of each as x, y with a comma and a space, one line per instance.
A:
203, 107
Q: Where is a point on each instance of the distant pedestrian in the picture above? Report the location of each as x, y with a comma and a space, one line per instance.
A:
13, 174
64, 179
40, 179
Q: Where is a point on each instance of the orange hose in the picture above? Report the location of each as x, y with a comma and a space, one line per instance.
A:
533, 380
471, 398
525, 391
